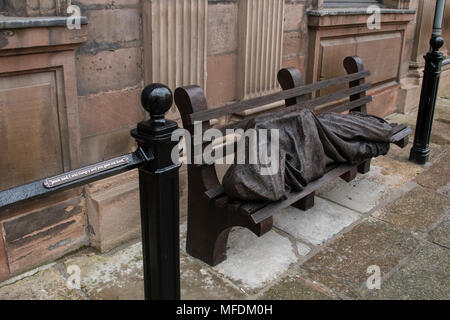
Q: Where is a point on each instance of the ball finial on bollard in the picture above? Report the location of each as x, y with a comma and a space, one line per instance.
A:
157, 100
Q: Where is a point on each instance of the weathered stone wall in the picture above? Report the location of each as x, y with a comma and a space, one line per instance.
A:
34, 8
109, 78
222, 40
223, 46
40, 136
295, 41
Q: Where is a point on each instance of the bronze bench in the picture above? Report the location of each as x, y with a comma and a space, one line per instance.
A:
211, 214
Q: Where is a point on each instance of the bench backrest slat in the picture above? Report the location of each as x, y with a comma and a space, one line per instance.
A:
206, 115
350, 105
309, 105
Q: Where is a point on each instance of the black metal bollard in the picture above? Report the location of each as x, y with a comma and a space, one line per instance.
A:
159, 194
420, 151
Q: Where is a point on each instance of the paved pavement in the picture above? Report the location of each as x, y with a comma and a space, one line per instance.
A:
393, 222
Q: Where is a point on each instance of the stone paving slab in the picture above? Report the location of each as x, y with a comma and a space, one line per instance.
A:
440, 133
438, 176
361, 195
442, 112
441, 234
294, 288
318, 224
342, 266
199, 283
392, 173
409, 119
119, 276
402, 155
112, 277
445, 189
45, 285
252, 262
441, 126
416, 210
424, 276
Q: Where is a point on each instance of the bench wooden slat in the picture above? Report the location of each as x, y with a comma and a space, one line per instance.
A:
310, 104
402, 134
293, 197
215, 192
399, 127
227, 150
252, 207
401, 138
225, 202
206, 115
350, 105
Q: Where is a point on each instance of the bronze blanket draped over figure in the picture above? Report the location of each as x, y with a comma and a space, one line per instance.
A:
308, 146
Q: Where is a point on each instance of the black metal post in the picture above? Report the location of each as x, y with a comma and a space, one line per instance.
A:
159, 194
420, 151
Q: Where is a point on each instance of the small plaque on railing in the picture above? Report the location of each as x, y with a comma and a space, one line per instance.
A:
85, 172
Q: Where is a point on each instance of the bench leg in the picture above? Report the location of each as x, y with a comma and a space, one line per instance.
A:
207, 243
350, 175
306, 203
364, 167
207, 237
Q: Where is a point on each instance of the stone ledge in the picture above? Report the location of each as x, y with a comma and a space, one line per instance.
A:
35, 22
335, 18
34, 35
355, 11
